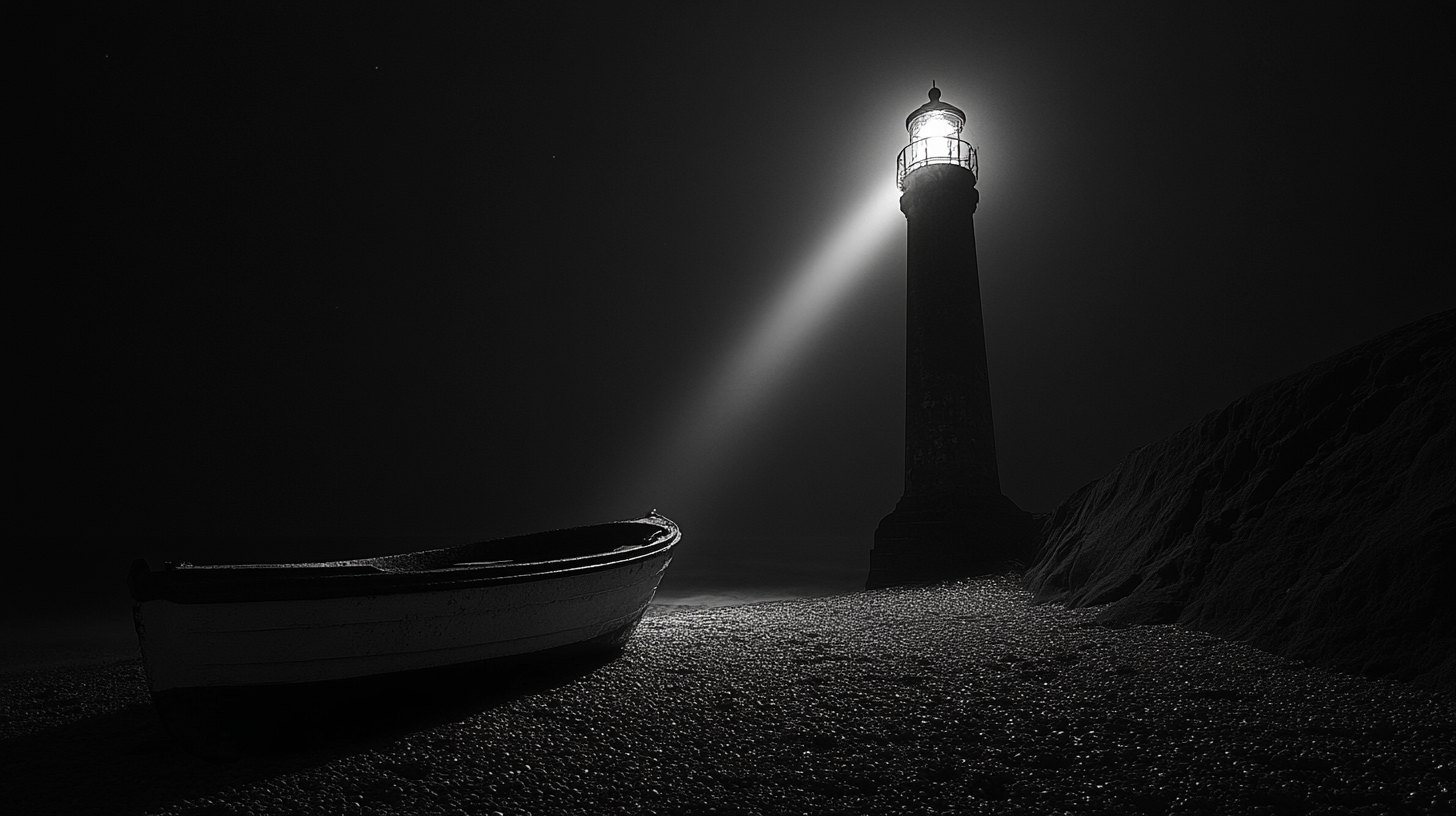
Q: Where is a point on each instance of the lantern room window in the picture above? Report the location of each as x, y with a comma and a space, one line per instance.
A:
935, 124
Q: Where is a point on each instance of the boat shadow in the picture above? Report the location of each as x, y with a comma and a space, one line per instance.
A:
228, 724
131, 760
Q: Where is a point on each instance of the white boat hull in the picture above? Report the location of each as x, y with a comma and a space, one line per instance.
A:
275, 626
209, 645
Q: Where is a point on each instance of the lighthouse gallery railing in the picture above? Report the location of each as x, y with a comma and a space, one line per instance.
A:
934, 150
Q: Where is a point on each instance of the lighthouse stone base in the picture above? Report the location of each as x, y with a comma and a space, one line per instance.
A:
942, 538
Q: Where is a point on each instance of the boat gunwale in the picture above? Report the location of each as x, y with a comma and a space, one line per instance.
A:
248, 583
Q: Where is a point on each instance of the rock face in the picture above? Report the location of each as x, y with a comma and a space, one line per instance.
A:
1315, 517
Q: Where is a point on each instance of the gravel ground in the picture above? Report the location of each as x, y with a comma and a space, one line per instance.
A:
954, 699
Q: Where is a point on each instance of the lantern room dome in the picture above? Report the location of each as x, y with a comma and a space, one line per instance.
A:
935, 105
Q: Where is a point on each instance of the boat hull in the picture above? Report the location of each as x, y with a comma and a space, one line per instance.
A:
314, 640
276, 625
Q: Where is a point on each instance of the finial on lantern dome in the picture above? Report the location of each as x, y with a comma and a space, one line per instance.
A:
934, 92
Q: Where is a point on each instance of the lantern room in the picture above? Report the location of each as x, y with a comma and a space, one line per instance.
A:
935, 130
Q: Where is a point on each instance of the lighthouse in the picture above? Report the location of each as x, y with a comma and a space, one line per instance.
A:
952, 521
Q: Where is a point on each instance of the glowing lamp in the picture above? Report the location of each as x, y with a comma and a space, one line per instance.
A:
935, 130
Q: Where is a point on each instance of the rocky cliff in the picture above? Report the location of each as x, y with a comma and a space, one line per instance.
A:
1315, 517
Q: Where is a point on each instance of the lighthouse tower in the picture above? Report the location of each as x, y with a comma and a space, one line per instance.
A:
952, 521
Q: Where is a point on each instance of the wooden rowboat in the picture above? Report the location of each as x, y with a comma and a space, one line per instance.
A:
249, 626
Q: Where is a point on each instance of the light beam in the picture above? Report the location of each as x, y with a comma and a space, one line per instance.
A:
700, 443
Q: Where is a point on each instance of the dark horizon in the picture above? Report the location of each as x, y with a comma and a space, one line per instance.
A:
453, 273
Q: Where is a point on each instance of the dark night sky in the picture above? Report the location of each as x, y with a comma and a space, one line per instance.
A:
383, 270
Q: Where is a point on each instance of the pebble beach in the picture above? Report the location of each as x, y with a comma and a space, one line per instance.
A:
964, 698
